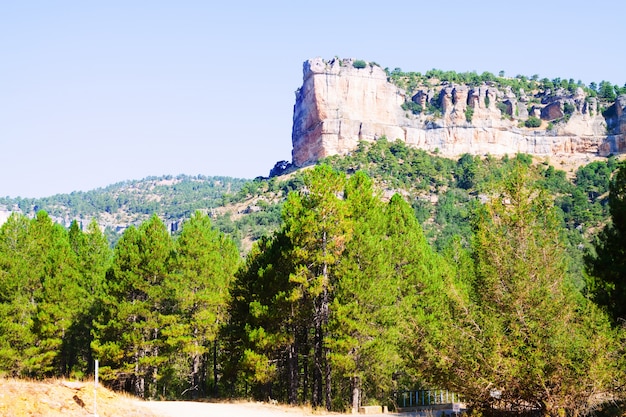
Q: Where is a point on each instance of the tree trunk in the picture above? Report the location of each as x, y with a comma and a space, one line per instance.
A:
195, 375
154, 370
318, 356
139, 383
324, 317
325, 351
293, 372
215, 376
305, 365
356, 394
194, 380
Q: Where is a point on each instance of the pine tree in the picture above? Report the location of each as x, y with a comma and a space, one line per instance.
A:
262, 332
129, 341
518, 327
205, 265
317, 226
361, 336
93, 259
607, 267
20, 289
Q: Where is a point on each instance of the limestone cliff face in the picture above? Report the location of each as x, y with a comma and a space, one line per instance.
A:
339, 105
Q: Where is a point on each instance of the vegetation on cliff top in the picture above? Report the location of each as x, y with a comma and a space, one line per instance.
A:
411, 81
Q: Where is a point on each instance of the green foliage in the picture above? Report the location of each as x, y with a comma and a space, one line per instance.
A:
607, 266
163, 304
317, 306
359, 64
204, 266
347, 257
503, 108
510, 318
48, 283
135, 201
606, 91
469, 113
412, 107
532, 122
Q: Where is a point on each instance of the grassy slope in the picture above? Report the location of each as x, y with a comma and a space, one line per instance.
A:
60, 398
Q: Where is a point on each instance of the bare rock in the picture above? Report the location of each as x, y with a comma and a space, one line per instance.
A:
552, 111
339, 105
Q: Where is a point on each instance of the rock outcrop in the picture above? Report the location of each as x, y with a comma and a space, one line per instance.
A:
339, 105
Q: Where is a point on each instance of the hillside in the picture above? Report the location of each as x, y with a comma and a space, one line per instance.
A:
117, 206
441, 190
88, 298
52, 398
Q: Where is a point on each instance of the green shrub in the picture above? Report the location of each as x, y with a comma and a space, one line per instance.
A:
533, 121
359, 64
469, 113
412, 107
502, 107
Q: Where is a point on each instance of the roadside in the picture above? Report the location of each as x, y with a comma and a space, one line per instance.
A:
247, 409
203, 409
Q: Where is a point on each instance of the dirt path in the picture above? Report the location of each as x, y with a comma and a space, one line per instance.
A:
199, 409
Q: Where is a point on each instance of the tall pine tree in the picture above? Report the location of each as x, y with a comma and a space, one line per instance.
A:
136, 307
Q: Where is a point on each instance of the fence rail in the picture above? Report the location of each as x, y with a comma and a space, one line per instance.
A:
426, 398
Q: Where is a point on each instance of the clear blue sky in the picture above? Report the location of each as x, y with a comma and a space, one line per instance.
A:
97, 92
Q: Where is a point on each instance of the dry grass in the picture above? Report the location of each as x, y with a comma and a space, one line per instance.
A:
20, 398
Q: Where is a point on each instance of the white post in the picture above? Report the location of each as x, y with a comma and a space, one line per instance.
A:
95, 392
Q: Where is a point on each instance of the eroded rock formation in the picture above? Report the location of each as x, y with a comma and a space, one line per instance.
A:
339, 105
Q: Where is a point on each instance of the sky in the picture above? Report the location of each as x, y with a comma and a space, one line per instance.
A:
97, 92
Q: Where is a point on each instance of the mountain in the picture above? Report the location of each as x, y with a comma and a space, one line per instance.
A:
117, 206
344, 101
438, 139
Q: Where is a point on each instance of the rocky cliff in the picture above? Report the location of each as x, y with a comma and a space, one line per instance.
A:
342, 102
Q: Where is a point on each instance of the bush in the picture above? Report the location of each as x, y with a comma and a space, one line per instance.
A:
469, 113
533, 121
359, 64
412, 107
504, 109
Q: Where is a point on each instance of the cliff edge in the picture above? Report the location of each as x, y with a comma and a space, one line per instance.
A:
342, 102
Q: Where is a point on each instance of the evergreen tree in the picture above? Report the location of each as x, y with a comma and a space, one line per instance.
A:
205, 264
362, 337
607, 267
317, 227
60, 299
136, 309
265, 325
93, 259
20, 289
42, 293
518, 327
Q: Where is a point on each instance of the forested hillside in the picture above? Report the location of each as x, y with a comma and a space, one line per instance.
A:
131, 202
391, 269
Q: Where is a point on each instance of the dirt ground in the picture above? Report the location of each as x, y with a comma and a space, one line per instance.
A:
200, 409
247, 409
